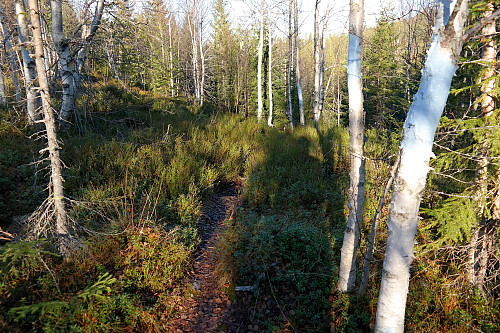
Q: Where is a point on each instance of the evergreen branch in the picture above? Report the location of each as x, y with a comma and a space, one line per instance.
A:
480, 25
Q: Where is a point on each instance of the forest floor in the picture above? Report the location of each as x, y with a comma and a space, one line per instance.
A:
211, 307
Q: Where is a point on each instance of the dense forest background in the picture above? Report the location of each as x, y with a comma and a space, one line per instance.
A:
160, 106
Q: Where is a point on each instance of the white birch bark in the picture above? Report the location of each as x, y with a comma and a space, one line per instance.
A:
32, 102
317, 64
259, 63
171, 59
347, 273
489, 59
194, 46
88, 34
11, 56
57, 189
202, 60
416, 150
289, 106
65, 60
270, 70
297, 64
322, 71
3, 94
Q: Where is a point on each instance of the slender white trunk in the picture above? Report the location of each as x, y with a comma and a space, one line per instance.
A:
88, 34
171, 59
289, 106
371, 243
297, 63
202, 59
416, 150
11, 56
3, 94
57, 189
194, 46
65, 59
322, 72
489, 59
32, 102
270, 70
317, 64
347, 273
259, 63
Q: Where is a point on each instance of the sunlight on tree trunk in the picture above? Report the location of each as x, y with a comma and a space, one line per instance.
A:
56, 181
347, 273
416, 150
32, 102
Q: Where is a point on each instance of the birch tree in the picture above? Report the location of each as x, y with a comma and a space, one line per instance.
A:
56, 180
88, 33
270, 70
289, 106
11, 55
317, 63
259, 63
3, 93
347, 273
297, 63
62, 46
28, 63
416, 150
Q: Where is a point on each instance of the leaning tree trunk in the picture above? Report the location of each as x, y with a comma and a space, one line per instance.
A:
56, 180
87, 35
269, 71
297, 64
5, 39
62, 46
32, 102
416, 150
259, 63
347, 273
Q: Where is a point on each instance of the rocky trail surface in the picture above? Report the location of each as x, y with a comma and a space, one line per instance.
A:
209, 308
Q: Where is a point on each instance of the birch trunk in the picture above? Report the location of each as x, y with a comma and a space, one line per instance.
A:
87, 35
269, 72
202, 59
32, 102
194, 46
489, 59
65, 59
297, 63
373, 233
289, 106
322, 72
416, 150
11, 56
259, 63
317, 64
171, 60
347, 273
56, 179
3, 94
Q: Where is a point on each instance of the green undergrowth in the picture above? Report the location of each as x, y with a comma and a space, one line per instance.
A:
138, 169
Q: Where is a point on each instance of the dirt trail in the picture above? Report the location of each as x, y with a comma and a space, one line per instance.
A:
209, 309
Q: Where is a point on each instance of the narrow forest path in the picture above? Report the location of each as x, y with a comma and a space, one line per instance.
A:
208, 308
